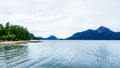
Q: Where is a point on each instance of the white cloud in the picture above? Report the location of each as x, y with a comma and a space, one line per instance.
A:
61, 17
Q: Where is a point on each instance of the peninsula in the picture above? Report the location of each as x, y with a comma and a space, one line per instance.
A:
15, 34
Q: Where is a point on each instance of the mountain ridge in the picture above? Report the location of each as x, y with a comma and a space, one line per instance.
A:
102, 33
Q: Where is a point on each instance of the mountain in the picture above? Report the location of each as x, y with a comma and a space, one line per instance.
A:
102, 33
52, 37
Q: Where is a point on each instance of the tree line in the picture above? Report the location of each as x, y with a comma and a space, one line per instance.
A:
14, 32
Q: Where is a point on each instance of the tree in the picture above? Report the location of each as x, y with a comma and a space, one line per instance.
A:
1, 26
7, 25
14, 32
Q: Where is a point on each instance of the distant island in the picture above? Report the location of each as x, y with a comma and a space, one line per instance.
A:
102, 33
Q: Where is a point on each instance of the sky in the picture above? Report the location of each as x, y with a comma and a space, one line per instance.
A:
61, 18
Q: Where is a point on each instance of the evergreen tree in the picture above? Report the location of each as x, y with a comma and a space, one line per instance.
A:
14, 32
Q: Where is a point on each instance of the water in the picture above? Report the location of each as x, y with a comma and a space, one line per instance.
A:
61, 54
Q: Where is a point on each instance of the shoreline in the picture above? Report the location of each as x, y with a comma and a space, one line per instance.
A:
18, 42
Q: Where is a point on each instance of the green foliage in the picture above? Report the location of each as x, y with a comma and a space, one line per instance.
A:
14, 32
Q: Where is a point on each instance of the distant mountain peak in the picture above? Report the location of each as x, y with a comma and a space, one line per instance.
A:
102, 28
52, 36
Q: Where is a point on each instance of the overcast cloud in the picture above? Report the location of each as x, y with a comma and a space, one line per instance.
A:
61, 17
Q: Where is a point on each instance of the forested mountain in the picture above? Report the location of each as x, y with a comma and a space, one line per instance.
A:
52, 37
14, 32
102, 33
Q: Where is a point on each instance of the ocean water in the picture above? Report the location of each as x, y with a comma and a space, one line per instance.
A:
61, 54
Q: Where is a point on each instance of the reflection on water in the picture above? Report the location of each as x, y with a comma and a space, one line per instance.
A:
61, 54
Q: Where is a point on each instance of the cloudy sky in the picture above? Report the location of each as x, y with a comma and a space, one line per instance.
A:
61, 18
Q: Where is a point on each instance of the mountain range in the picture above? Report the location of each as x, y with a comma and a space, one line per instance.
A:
102, 33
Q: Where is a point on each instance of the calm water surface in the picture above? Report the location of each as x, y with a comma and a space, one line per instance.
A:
61, 54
